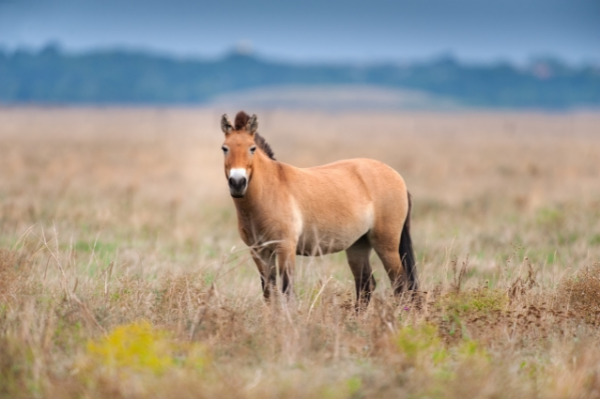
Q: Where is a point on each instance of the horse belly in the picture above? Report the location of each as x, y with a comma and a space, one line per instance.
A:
321, 243
331, 235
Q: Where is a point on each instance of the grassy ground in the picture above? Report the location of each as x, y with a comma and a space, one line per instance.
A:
122, 274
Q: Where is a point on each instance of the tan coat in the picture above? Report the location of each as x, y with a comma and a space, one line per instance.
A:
283, 211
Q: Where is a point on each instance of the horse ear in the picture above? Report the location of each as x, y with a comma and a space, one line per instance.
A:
226, 126
252, 124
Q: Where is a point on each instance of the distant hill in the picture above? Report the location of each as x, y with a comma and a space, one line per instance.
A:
51, 76
333, 98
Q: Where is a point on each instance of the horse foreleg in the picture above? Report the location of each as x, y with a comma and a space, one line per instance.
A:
286, 260
265, 263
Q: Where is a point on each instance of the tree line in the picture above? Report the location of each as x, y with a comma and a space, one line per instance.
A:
51, 76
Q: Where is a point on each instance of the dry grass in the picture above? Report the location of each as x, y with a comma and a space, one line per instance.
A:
122, 275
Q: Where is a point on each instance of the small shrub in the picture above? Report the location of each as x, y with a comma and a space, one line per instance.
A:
420, 343
13, 269
581, 293
478, 300
138, 347
16, 375
550, 217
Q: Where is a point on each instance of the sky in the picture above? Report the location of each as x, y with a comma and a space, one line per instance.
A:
309, 31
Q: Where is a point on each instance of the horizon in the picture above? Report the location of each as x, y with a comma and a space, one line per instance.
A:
251, 53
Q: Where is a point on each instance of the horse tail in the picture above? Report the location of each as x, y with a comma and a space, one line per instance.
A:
406, 251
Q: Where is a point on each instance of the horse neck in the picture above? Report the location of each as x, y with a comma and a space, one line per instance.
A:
263, 184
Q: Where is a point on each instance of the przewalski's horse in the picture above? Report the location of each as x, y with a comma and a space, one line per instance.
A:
283, 211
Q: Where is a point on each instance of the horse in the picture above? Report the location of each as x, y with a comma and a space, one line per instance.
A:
356, 205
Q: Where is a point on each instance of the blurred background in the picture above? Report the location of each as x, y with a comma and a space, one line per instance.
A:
382, 54
114, 206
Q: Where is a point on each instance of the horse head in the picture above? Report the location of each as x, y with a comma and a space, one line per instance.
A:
239, 149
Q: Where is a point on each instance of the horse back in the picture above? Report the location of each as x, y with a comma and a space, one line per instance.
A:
356, 180
344, 200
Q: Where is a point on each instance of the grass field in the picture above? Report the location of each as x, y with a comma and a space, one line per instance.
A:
122, 273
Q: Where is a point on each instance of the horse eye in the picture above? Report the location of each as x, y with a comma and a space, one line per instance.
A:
252, 149
225, 149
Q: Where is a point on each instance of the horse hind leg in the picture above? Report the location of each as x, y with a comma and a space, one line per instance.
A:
407, 255
396, 253
386, 243
358, 259
390, 258
400, 270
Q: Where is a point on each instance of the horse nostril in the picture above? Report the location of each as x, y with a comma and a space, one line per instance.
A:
237, 183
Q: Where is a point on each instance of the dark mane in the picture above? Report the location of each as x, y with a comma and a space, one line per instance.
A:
262, 143
241, 119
